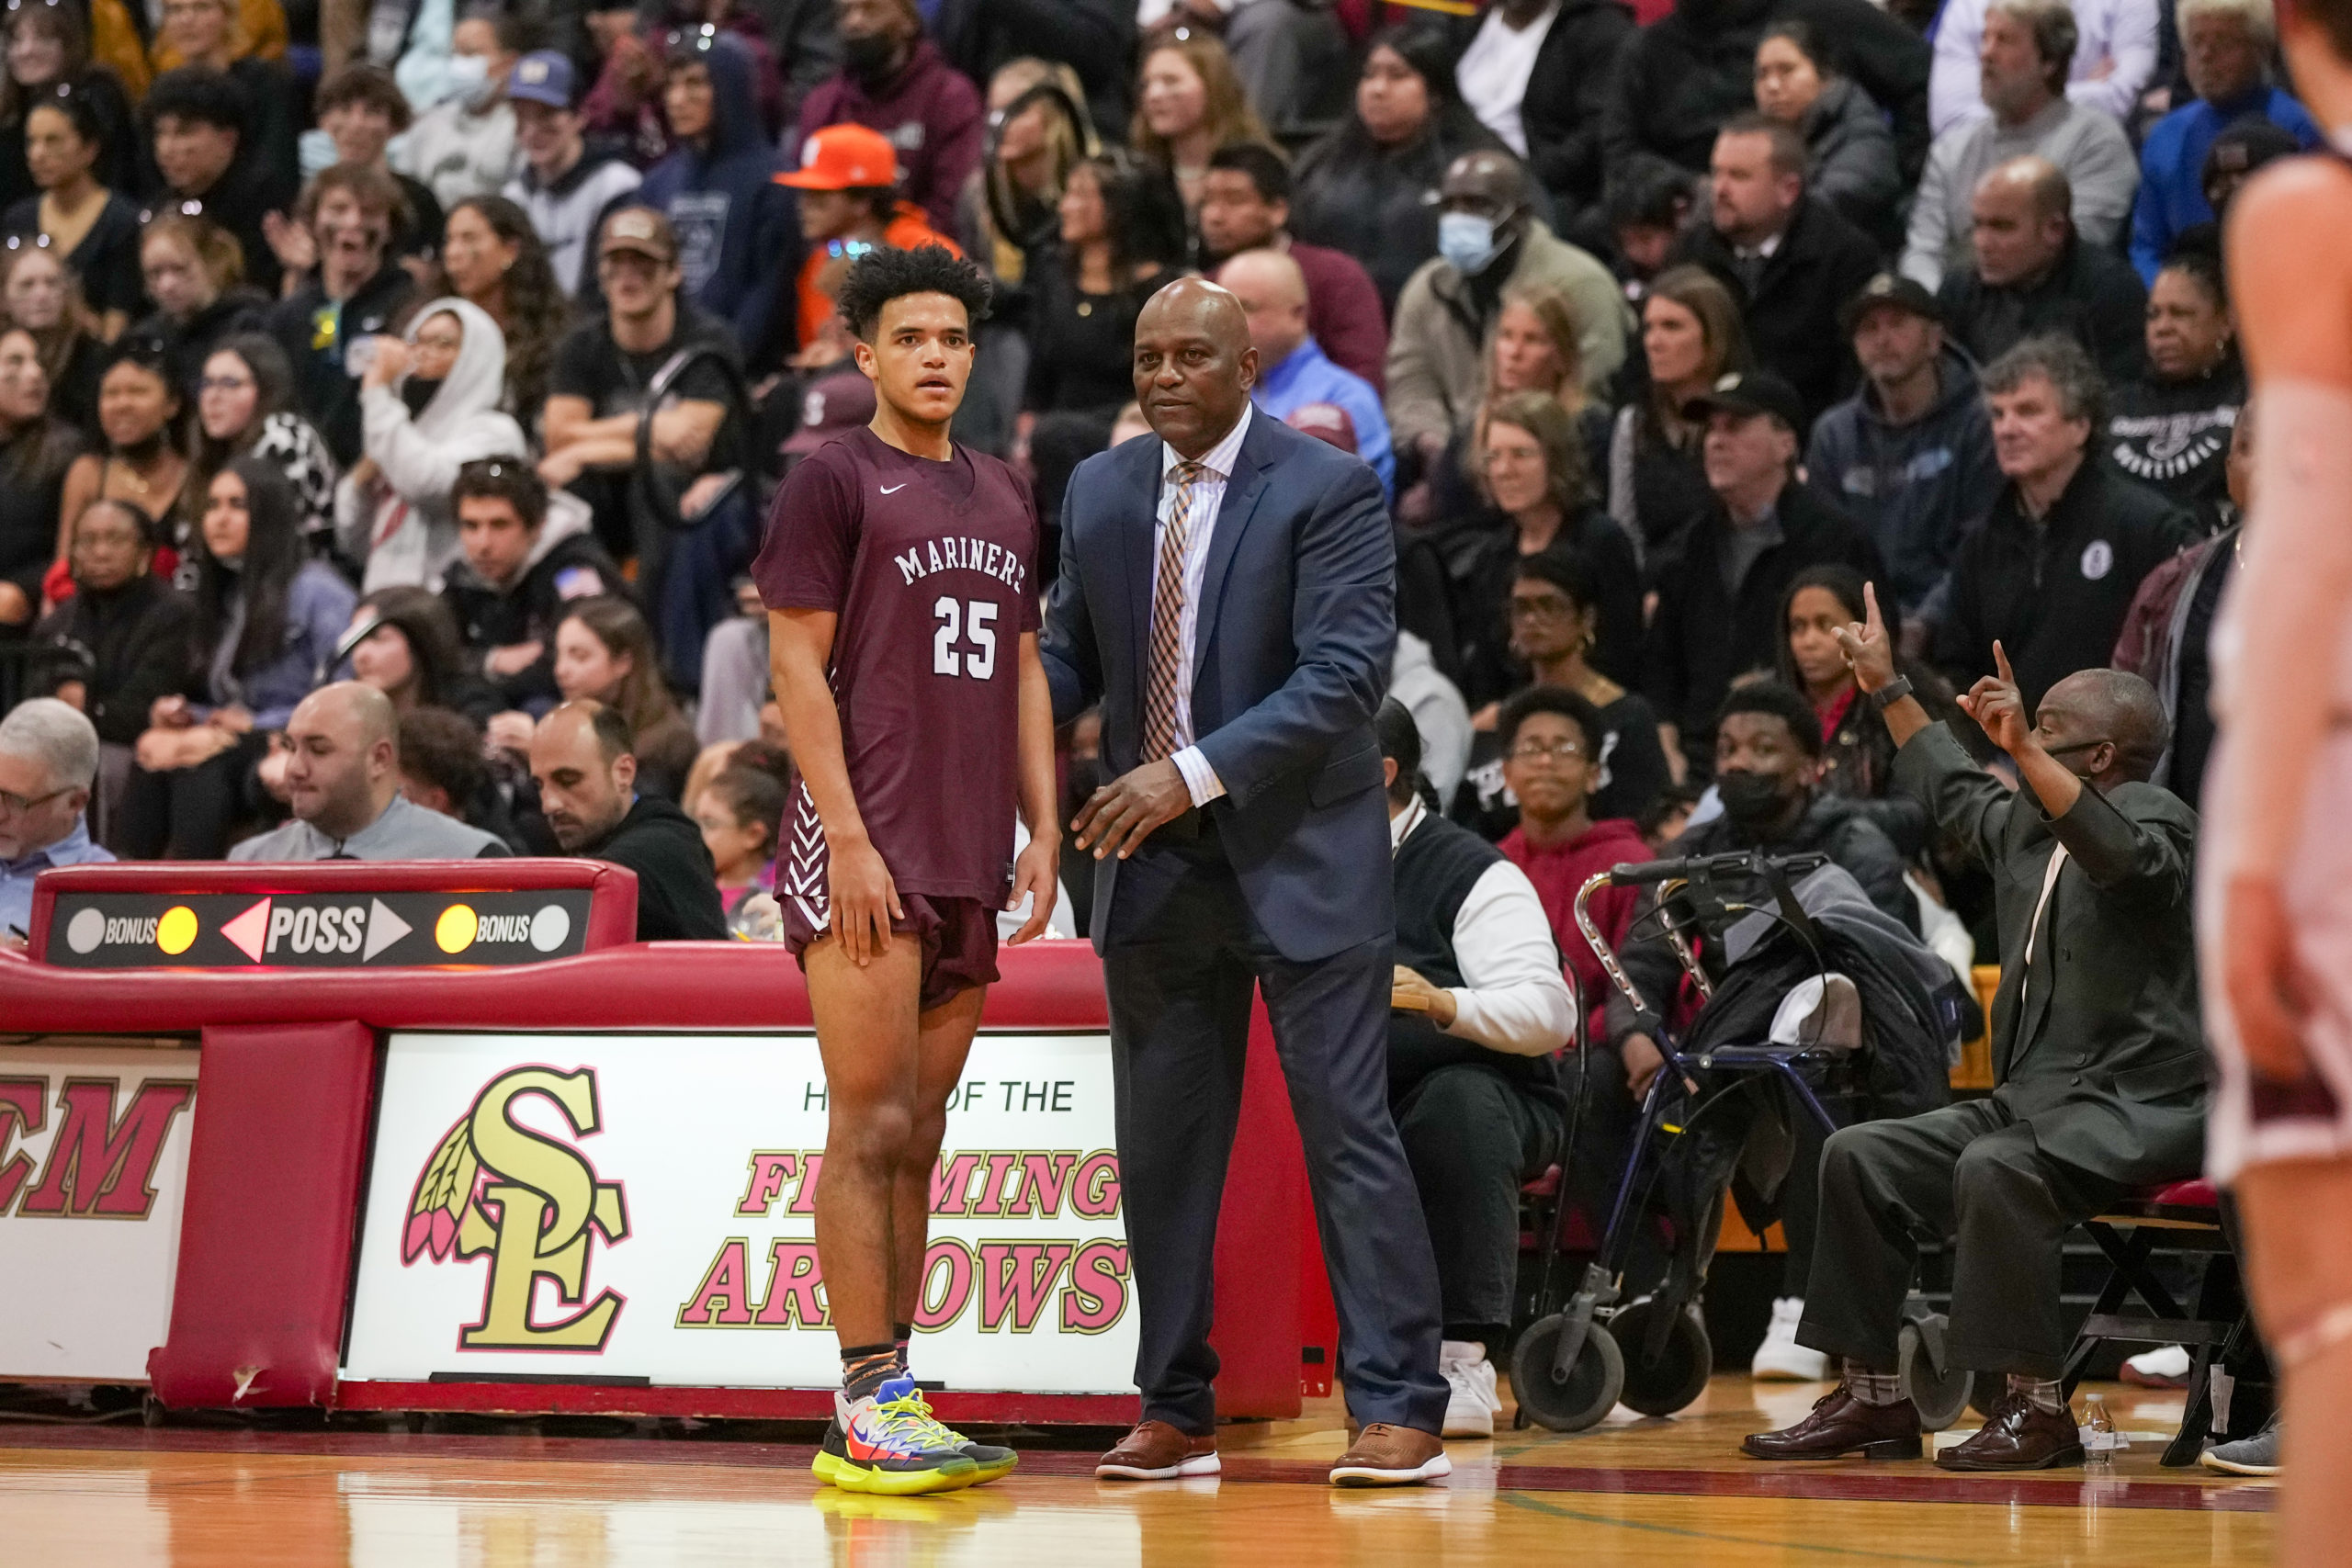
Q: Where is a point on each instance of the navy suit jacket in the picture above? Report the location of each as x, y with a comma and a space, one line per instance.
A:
1296, 628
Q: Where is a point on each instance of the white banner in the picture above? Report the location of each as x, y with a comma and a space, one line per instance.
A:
640, 1206
93, 1169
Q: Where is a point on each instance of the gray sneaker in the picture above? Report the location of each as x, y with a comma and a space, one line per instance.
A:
2258, 1455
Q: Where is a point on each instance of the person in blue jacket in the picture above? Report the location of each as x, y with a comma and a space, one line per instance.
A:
735, 226
2226, 46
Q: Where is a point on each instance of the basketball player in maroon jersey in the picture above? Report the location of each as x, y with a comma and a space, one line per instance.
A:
896, 571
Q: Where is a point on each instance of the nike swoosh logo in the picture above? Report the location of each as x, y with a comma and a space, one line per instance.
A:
893, 489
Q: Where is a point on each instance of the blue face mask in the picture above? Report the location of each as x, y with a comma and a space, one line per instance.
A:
1467, 242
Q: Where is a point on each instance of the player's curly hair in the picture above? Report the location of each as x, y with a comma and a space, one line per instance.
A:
885, 273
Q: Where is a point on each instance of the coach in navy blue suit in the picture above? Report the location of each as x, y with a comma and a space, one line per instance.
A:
1228, 593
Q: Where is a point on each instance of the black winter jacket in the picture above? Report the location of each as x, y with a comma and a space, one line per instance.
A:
1690, 71
2091, 295
2055, 593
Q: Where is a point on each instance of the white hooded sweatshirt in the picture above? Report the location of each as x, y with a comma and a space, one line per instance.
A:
401, 525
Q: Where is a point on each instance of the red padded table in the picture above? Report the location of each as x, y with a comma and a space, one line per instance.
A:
302, 1266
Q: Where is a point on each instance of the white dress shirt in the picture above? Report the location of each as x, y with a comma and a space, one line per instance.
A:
1514, 997
1208, 500
1493, 72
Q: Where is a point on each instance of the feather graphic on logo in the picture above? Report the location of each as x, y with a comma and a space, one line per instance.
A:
444, 1192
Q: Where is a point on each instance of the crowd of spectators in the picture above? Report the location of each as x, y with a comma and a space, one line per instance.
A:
388, 411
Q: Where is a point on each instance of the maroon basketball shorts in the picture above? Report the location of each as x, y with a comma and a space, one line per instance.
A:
958, 937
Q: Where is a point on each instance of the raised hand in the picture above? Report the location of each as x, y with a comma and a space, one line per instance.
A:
1866, 645
1996, 704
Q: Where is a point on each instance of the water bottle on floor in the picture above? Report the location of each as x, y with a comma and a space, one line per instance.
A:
2099, 1437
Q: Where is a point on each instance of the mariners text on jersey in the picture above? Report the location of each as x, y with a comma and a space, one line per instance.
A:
953, 553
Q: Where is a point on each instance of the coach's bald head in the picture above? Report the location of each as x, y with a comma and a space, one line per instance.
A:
2111, 721
1194, 365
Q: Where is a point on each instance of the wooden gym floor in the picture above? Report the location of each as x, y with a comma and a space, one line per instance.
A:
1631, 1492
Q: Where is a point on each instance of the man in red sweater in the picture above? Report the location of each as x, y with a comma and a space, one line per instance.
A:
1551, 761
1245, 206
895, 80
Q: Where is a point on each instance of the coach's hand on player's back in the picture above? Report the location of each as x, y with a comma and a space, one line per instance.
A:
1120, 816
865, 899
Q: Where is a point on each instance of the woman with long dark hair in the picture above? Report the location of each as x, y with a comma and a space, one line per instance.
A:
1857, 757
605, 650
38, 294
1553, 609
267, 618
1656, 487
493, 258
405, 642
1365, 188
246, 403
34, 452
1122, 241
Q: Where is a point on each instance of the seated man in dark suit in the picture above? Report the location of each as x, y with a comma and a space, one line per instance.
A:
1480, 1007
582, 757
2097, 1056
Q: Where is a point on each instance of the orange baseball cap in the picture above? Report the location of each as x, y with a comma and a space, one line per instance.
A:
846, 157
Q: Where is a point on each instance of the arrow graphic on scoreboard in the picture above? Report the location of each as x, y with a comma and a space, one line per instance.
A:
248, 930
384, 928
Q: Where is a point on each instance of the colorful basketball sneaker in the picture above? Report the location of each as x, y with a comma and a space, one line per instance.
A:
888, 1444
994, 1462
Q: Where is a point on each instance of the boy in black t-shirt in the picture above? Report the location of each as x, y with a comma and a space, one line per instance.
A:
519, 570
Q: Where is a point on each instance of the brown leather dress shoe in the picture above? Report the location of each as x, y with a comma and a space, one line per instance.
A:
1839, 1424
1383, 1455
2021, 1436
1158, 1451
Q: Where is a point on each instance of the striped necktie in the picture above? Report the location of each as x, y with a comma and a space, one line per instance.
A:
1168, 621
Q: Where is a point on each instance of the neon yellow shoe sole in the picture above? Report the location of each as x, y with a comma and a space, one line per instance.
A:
949, 1475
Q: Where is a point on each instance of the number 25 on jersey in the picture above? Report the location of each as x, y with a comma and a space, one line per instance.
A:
969, 620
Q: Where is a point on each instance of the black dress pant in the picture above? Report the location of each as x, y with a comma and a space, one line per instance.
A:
1973, 1171
1472, 1137
188, 811
1183, 956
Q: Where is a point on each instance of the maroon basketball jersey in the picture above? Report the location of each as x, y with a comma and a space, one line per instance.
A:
927, 564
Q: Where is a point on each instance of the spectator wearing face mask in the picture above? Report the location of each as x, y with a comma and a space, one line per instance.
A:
464, 145
354, 293
1489, 240
894, 80
429, 405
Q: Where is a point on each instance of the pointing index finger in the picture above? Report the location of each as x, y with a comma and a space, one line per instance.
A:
2001, 663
